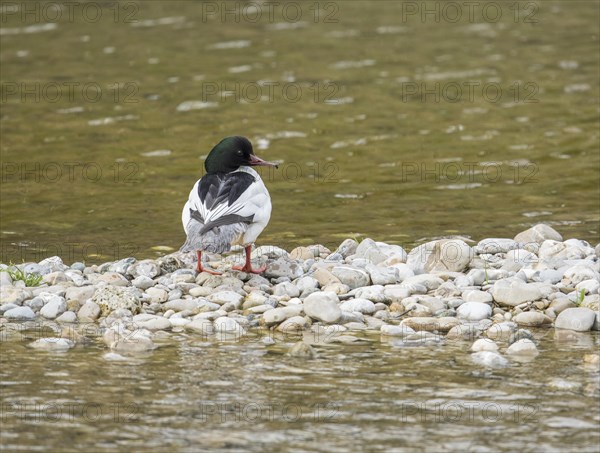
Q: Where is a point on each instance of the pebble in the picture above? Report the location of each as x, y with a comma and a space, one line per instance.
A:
501, 331
489, 359
465, 332
353, 277
110, 298
532, 319
278, 315
538, 234
440, 255
523, 347
474, 311
513, 292
364, 306
484, 344
294, 324
303, 350
396, 331
19, 314
80, 294
579, 319
90, 311
228, 325
225, 297
496, 245
447, 287
54, 305
201, 326
323, 306
53, 344
68, 317
431, 324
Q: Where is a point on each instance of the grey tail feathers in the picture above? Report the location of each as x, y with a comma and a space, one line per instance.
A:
215, 240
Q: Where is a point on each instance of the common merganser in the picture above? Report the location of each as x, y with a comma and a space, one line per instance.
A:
229, 204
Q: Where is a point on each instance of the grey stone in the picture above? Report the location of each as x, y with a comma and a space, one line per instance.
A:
489, 359
430, 324
502, 330
523, 347
307, 282
513, 292
294, 324
55, 264
14, 295
142, 282
201, 326
579, 319
121, 266
19, 314
474, 311
369, 250
67, 316
286, 289
182, 304
347, 248
396, 331
144, 268
351, 276
516, 259
114, 279
80, 293
579, 273
278, 315
532, 319
229, 326
477, 296
382, 275
431, 282
90, 311
55, 306
440, 255
484, 344
284, 267
496, 245
158, 295
53, 344
302, 350
110, 298
151, 322
375, 293
224, 297
538, 234
323, 306
9, 306
364, 306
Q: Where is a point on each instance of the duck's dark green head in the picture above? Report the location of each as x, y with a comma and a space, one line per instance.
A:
230, 154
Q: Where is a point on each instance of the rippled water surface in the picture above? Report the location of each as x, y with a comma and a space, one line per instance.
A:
373, 395
388, 124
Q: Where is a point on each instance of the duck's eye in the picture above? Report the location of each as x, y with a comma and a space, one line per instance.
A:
239, 152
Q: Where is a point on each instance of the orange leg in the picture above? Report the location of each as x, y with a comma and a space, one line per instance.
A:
199, 267
248, 266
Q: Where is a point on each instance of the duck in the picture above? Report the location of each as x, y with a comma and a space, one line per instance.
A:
229, 205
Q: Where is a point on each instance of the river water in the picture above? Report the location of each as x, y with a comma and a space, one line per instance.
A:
388, 121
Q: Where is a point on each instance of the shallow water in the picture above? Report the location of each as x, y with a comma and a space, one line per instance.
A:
197, 394
389, 123
364, 117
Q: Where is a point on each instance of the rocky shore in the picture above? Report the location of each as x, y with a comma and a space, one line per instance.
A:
495, 294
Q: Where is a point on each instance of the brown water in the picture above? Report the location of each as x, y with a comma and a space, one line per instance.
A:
366, 149
390, 122
376, 395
